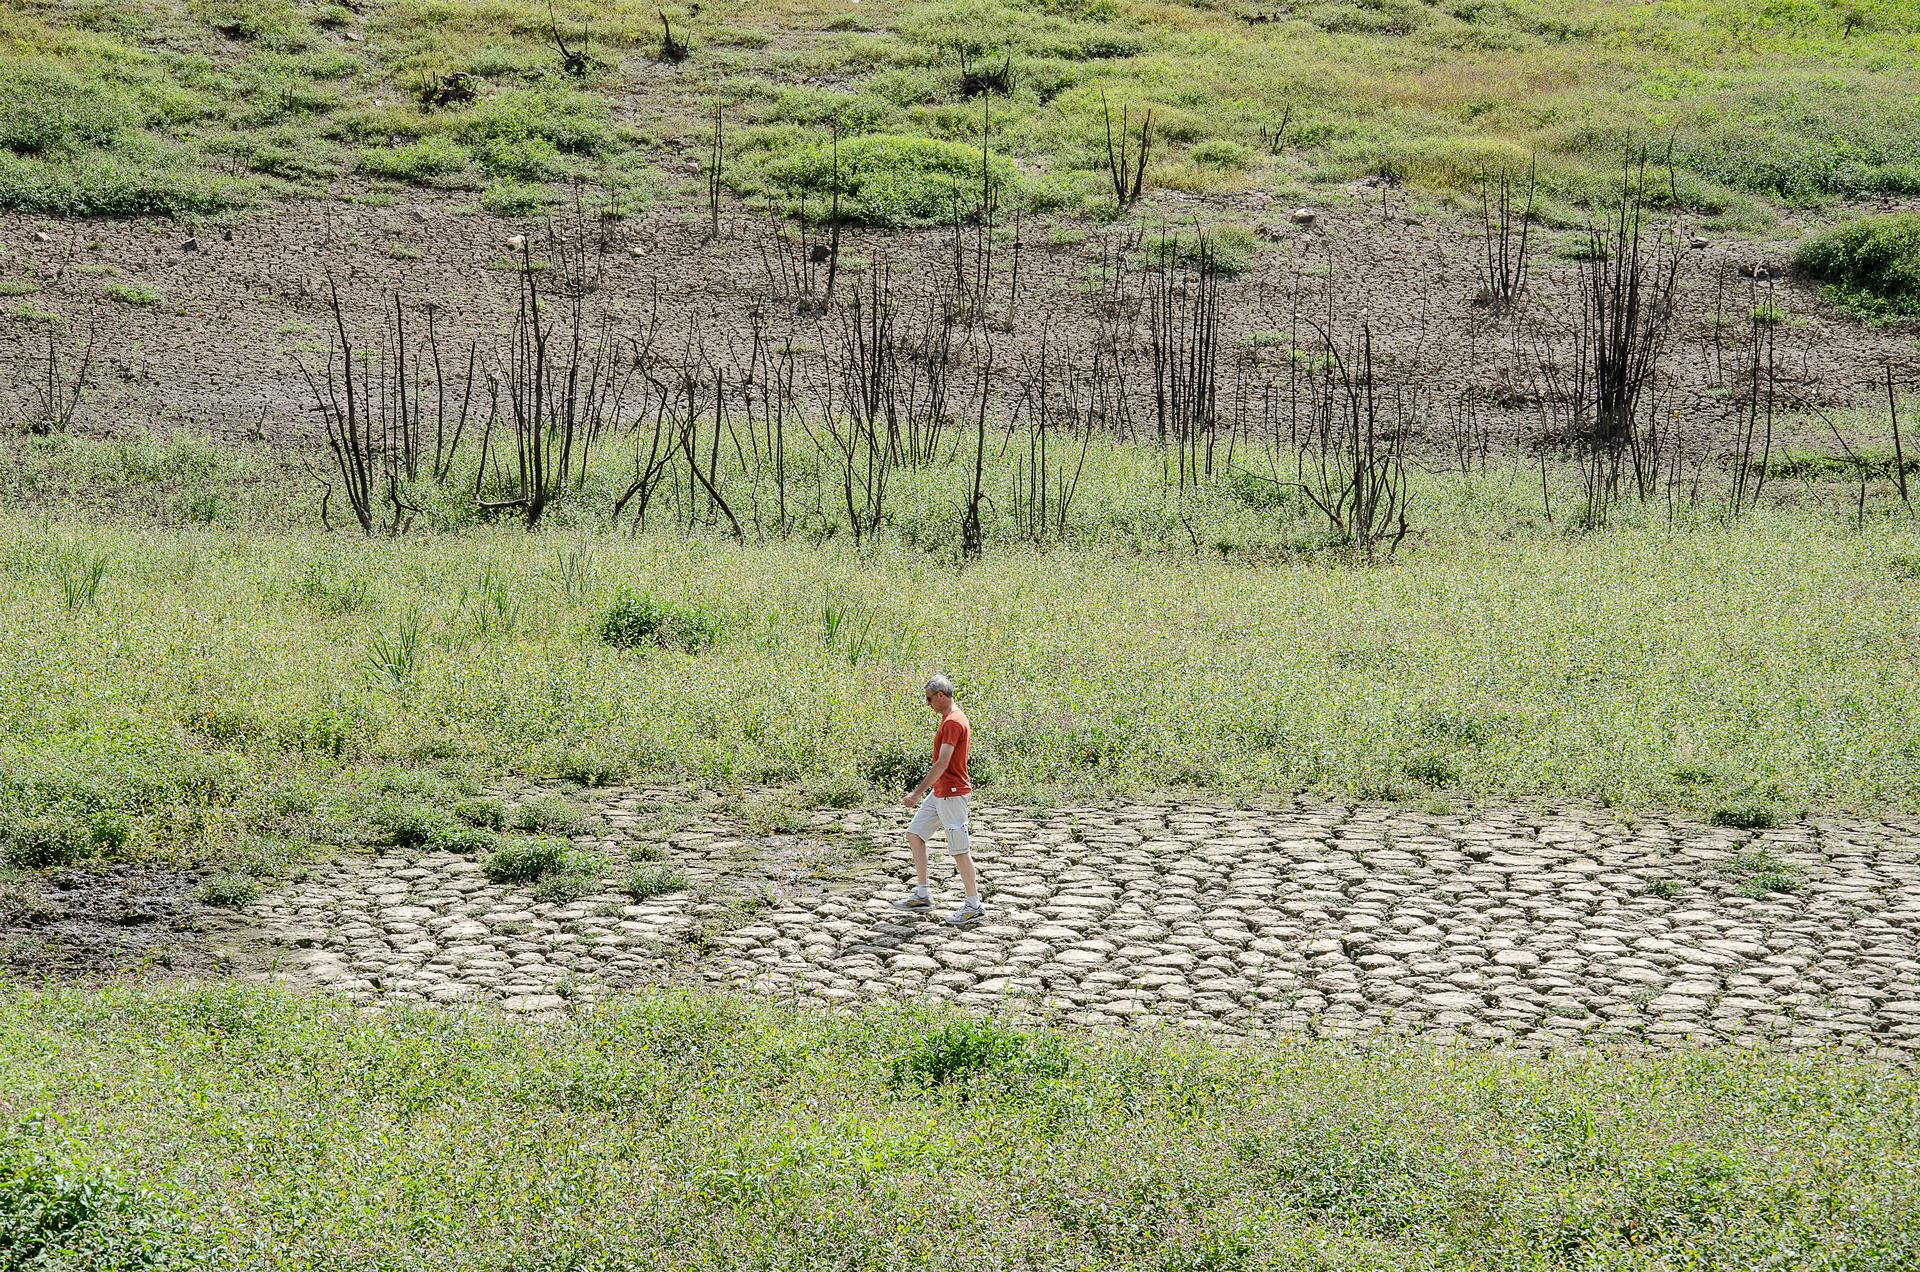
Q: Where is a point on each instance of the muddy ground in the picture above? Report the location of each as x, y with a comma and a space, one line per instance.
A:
118, 921
242, 307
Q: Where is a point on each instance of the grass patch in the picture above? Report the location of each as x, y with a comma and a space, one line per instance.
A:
137, 295
1871, 267
551, 815
1642, 664
890, 181
229, 891
636, 619
527, 860
653, 879
1759, 874
675, 1130
127, 108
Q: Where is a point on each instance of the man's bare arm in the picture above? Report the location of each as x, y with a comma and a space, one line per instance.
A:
940, 763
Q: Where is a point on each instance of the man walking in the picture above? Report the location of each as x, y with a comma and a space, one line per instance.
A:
946, 808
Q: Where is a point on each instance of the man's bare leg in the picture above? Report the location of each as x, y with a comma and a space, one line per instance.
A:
921, 898
963, 861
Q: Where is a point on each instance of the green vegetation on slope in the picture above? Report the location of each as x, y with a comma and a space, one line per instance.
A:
665, 1131
1871, 267
183, 106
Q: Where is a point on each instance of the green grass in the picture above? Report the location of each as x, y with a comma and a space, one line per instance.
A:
1871, 267
180, 672
651, 879
229, 1128
129, 107
137, 295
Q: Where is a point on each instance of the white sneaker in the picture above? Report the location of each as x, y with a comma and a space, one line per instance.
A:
969, 912
914, 901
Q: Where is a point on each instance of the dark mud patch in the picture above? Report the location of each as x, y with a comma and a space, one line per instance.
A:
118, 921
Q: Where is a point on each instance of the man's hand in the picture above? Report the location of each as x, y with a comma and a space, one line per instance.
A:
912, 801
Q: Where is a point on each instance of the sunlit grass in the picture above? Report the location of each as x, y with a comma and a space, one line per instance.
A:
262, 1131
155, 105
227, 647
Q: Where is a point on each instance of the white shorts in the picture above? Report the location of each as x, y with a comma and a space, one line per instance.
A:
938, 812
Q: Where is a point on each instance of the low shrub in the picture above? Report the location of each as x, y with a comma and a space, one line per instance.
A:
894, 768
472, 841
1746, 815
482, 811
895, 181
44, 841
526, 860
229, 891
551, 815
966, 1049
58, 1214
653, 879
409, 825
638, 619
1871, 267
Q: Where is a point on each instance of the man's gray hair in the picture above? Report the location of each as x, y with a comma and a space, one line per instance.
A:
940, 684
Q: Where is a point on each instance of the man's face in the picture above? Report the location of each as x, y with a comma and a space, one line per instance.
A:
937, 703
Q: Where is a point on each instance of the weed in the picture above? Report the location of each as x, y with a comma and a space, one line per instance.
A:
80, 581
58, 1213
138, 295
1665, 889
653, 880
894, 768
471, 841
409, 825
419, 162
552, 815
526, 860
229, 891
1758, 873
395, 656
484, 812
1432, 770
567, 886
967, 1051
44, 841
837, 790
894, 181
1871, 267
770, 815
1218, 249
638, 619
594, 763
1746, 815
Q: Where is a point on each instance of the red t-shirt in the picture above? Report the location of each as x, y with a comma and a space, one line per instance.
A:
956, 730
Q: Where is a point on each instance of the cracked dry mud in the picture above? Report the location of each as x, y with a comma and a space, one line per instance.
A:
1529, 926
